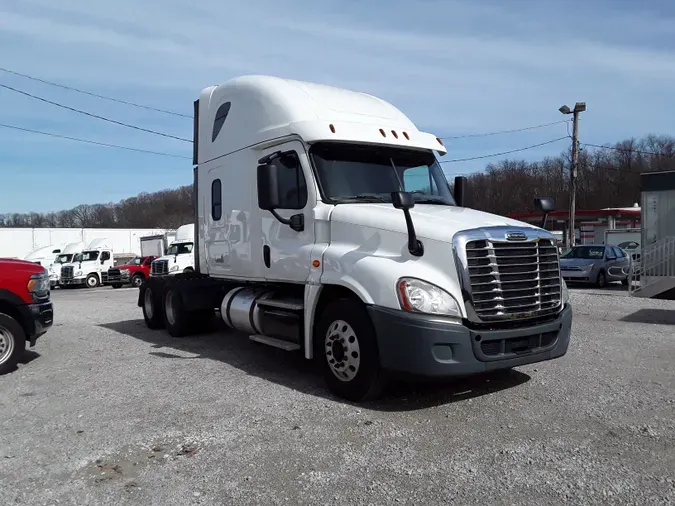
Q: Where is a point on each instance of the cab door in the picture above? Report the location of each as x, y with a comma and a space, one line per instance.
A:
286, 252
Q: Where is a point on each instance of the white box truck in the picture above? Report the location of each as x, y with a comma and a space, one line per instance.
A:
156, 245
324, 224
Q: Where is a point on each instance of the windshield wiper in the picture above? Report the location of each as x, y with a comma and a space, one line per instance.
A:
363, 198
431, 200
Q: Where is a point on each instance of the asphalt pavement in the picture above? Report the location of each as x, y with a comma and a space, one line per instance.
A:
104, 411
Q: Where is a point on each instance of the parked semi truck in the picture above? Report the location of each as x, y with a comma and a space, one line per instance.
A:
66, 256
324, 224
179, 256
90, 267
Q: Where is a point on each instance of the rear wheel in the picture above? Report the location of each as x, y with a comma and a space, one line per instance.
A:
346, 346
176, 319
151, 312
12, 343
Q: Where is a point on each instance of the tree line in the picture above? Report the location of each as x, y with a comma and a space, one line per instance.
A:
607, 177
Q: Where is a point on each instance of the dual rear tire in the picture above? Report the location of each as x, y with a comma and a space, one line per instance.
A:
167, 310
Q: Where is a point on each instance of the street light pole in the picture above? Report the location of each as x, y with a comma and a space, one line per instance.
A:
578, 108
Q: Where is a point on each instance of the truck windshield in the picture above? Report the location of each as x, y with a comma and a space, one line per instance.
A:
63, 259
369, 173
178, 249
135, 261
88, 256
585, 252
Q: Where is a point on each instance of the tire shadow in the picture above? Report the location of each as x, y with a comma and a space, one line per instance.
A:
292, 370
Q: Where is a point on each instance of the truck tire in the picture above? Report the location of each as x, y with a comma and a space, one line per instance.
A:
152, 313
92, 281
136, 280
187, 270
12, 343
346, 347
176, 319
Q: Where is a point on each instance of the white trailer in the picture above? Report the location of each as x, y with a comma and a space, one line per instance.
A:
324, 224
157, 245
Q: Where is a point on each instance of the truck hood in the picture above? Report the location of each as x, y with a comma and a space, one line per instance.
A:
578, 262
21, 265
435, 222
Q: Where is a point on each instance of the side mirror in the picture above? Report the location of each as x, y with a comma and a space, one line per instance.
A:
402, 200
461, 189
545, 205
268, 187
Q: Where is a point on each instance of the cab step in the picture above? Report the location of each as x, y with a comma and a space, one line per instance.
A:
272, 341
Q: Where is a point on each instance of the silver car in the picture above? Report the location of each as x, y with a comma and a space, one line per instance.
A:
598, 264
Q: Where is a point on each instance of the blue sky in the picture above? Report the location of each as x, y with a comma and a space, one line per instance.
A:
455, 67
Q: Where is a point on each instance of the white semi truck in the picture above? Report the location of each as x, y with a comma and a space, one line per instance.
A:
66, 256
90, 267
179, 257
324, 224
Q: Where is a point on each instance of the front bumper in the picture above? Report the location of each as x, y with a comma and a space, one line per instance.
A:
37, 319
578, 276
74, 281
438, 347
119, 279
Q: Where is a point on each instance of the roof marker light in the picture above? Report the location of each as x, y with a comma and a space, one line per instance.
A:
394, 134
382, 132
439, 141
332, 128
405, 134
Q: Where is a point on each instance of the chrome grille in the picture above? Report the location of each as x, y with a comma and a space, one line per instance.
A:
160, 268
67, 272
511, 280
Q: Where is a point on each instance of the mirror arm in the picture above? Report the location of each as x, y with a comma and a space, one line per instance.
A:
415, 246
296, 222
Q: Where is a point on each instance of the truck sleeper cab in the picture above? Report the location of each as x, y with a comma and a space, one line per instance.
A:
324, 224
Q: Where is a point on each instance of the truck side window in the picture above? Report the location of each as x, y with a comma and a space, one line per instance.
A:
105, 255
216, 200
292, 187
419, 179
221, 116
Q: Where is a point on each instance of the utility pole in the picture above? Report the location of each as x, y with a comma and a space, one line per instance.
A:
578, 108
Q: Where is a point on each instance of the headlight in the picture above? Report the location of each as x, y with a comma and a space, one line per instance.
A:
174, 268
38, 285
79, 273
565, 292
124, 271
421, 297
586, 267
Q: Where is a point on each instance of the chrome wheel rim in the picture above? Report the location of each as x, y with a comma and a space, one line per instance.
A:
137, 281
342, 350
91, 281
147, 303
6, 344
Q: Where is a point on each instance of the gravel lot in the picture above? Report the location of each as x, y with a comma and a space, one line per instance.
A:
105, 411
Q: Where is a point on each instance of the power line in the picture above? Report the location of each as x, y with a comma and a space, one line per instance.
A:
648, 153
504, 152
95, 115
14, 127
70, 88
533, 127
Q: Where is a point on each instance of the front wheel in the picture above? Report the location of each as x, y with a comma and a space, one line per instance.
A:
602, 280
346, 346
92, 281
12, 343
136, 281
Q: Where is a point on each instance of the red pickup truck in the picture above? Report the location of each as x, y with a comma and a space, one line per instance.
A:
26, 310
132, 273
